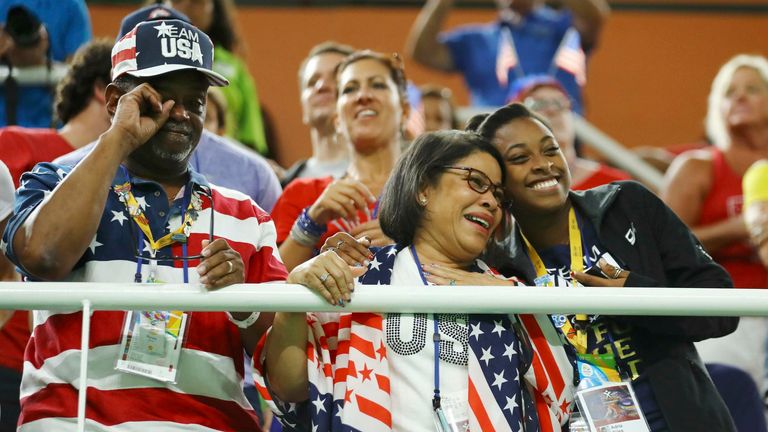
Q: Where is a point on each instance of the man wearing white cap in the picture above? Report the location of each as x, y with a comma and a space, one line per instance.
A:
134, 210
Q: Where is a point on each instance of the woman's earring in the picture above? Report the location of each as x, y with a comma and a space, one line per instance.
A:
423, 201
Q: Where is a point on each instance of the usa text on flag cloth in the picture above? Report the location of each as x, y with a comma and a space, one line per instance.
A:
350, 366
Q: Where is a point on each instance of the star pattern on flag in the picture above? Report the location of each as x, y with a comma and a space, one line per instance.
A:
497, 327
365, 373
118, 216
382, 351
509, 350
476, 332
94, 244
511, 405
319, 404
499, 380
487, 356
492, 337
165, 30
375, 264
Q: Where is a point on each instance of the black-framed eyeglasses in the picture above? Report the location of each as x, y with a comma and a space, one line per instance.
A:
479, 182
139, 235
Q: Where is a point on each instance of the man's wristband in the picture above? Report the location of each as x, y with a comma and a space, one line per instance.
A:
244, 324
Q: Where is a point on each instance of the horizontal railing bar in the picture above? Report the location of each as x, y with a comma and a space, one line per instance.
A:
446, 299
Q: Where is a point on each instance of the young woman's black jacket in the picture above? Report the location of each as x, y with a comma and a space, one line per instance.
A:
649, 240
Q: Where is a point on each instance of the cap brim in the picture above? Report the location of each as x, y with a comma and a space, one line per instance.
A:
214, 79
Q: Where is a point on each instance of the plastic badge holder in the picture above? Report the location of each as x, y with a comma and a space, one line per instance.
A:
151, 344
611, 407
451, 416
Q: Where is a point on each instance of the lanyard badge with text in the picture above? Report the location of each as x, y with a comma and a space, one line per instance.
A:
152, 340
605, 402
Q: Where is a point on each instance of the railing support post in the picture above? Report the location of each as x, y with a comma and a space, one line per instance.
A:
85, 337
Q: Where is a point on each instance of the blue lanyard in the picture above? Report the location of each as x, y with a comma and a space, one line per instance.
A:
435, 336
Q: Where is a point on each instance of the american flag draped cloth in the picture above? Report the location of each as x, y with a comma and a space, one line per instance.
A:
349, 375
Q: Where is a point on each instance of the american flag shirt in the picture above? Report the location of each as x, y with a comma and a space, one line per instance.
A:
351, 371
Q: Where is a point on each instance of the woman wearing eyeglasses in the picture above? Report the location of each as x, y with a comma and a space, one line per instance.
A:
401, 372
630, 238
371, 108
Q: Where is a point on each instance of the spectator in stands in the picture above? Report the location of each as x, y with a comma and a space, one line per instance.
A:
317, 88
437, 108
222, 162
216, 18
442, 203
546, 96
529, 37
37, 33
78, 225
79, 105
634, 240
371, 109
704, 186
10, 369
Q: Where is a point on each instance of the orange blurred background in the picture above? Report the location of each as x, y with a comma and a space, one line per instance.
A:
647, 85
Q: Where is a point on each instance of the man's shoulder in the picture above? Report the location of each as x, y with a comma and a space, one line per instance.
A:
237, 204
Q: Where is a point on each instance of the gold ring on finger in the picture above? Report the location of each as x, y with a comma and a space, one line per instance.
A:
324, 277
231, 267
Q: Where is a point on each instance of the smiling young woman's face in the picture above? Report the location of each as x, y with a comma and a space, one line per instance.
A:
538, 179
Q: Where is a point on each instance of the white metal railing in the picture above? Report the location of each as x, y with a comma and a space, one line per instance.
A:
447, 299
615, 153
35, 75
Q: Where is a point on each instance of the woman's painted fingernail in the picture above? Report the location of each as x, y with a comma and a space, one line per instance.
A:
341, 302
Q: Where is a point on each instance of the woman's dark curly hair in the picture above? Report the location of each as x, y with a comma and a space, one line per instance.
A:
90, 65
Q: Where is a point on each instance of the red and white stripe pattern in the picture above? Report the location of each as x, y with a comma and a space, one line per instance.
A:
207, 394
506, 58
571, 57
349, 378
124, 55
551, 373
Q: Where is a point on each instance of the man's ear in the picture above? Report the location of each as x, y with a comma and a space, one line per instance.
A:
112, 95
